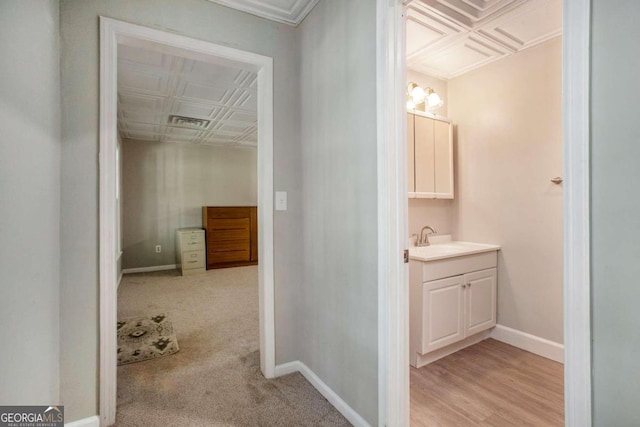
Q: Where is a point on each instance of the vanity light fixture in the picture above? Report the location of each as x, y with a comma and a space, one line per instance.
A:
417, 95
433, 100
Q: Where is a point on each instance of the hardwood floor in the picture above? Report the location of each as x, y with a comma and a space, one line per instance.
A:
488, 384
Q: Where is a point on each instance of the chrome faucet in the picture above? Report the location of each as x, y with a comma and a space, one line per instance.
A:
423, 239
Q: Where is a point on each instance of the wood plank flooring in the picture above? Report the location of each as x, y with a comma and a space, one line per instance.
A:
488, 384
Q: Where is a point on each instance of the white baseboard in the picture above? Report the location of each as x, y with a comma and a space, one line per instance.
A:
119, 264
420, 360
540, 346
287, 368
347, 411
85, 422
149, 269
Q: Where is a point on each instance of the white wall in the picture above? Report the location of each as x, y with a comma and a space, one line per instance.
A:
339, 304
29, 202
509, 145
436, 213
80, 118
615, 212
165, 186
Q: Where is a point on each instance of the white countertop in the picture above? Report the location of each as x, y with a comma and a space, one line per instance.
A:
443, 247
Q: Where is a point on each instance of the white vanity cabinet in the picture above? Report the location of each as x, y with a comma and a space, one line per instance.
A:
452, 304
429, 156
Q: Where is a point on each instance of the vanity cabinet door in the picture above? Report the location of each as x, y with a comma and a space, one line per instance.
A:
411, 178
443, 160
424, 156
443, 313
480, 301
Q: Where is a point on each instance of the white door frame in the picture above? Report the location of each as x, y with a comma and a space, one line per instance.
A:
393, 321
576, 82
113, 33
393, 277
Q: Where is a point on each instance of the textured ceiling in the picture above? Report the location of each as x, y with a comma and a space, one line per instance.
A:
447, 38
156, 91
290, 12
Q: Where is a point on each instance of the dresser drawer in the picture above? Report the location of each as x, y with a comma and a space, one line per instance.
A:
229, 256
229, 251
229, 229
193, 259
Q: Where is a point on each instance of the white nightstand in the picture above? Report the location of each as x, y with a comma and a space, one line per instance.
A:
190, 255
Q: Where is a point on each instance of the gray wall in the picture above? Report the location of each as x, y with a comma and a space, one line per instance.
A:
615, 209
338, 136
29, 202
165, 186
200, 19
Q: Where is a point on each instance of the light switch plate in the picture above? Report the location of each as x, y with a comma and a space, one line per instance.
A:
281, 200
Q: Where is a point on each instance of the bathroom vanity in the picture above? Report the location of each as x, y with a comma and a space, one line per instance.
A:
453, 289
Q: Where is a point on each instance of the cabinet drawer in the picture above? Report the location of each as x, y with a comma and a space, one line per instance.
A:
192, 259
229, 246
239, 255
450, 267
218, 226
229, 251
192, 242
228, 212
235, 234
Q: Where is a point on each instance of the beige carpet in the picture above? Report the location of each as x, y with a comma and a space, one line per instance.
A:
215, 379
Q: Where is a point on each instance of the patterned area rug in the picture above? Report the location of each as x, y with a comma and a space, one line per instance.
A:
144, 338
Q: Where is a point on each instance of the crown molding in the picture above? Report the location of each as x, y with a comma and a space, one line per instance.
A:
267, 9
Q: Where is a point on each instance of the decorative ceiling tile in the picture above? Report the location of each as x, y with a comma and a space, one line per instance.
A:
290, 12
134, 55
447, 38
426, 29
187, 108
173, 99
470, 14
530, 24
196, 92
140, 102
465, 53
151, 84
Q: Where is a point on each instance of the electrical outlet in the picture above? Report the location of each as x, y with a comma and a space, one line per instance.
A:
158, 249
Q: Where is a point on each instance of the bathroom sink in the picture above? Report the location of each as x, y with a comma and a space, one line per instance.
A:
448, 249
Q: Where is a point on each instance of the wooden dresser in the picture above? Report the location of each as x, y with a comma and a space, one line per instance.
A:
231, 235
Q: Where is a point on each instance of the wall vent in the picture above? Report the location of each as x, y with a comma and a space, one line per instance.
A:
188, 122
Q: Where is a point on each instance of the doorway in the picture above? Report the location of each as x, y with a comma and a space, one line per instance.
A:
114, 34
393, 331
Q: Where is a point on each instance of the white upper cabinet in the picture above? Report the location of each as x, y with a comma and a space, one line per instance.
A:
429, 156
411, 182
